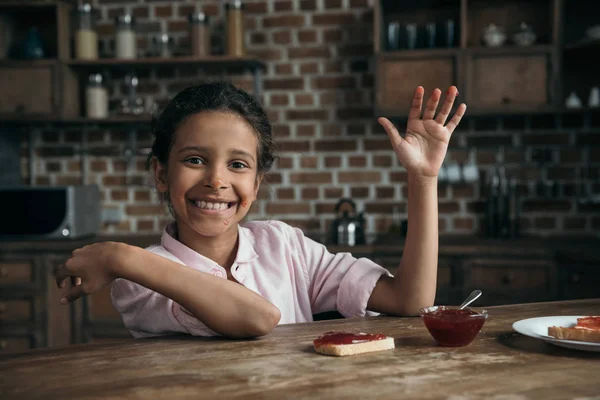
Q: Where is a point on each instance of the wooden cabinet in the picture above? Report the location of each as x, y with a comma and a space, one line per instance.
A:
510, 77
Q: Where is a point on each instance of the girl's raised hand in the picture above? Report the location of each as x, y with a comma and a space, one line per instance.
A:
422, 150
89, 269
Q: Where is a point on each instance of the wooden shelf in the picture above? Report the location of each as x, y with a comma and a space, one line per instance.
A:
20, 63
510, 50
149, 62
473, 111
419, 53
41, 119
583, 44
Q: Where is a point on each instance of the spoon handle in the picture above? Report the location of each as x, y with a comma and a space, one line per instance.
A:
472, 297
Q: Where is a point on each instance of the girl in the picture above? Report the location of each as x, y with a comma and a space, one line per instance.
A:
210, 275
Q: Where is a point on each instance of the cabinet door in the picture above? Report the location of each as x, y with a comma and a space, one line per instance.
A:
28, 89
15, 344
579, 282
101, 320
510, 281
61, 323
397, 79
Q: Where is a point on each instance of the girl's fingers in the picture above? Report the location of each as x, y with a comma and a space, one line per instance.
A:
453, 123
417, 103
432, 104
72, 294
390, 129
447, 106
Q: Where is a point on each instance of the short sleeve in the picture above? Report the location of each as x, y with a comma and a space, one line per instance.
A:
338, 281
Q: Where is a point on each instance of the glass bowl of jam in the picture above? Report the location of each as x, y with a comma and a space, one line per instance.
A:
450, 326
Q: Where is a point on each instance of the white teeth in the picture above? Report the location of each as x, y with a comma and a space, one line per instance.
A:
211, 206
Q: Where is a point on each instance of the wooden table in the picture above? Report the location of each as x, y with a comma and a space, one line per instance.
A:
498, 364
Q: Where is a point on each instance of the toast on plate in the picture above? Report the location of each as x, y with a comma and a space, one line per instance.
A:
347, 344
587, 329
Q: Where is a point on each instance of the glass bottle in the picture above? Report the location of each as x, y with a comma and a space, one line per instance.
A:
86, 38
163, 44
235, 28
199, 34
126, 40
96, 95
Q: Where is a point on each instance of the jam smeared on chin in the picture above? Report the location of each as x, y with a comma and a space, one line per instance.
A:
346, 338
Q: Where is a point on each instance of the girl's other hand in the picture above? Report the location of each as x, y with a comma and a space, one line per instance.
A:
424, 146
89, 269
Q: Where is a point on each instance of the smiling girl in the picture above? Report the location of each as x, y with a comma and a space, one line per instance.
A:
211, 274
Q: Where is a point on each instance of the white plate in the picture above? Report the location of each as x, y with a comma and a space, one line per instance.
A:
538, 328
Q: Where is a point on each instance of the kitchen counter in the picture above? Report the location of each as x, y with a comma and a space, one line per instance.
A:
585, 248
499, 363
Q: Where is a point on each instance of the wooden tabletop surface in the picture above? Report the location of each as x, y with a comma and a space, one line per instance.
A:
499, 364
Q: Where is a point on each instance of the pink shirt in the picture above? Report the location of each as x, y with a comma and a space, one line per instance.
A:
275, 260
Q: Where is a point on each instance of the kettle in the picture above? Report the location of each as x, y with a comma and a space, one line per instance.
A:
348, 228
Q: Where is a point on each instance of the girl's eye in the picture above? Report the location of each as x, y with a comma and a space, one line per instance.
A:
238, 165
194, 160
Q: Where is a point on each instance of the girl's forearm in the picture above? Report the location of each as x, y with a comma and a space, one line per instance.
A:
225, 307
415, 281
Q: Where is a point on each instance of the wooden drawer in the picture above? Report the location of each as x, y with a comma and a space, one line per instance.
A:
15, 310
42, 87
580, 283
101, 308
9, 345
15, 272
508, 274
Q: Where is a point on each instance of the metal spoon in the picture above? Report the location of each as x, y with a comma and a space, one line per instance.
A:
472, 297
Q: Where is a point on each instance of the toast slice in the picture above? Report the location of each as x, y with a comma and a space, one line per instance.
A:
353, 343
581, 335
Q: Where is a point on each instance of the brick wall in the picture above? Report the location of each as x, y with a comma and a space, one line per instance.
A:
318, 89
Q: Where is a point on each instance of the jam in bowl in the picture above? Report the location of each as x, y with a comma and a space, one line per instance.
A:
450, 326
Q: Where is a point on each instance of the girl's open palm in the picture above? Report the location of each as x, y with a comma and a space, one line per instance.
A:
423, 148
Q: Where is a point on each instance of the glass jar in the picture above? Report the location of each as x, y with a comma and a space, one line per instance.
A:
235, 28
125, 41
96, 95
86, 38
163, 45
199, 34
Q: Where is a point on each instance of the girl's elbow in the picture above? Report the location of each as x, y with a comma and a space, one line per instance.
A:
268, 322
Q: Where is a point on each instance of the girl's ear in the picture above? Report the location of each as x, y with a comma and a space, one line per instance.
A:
259, 179
160, 176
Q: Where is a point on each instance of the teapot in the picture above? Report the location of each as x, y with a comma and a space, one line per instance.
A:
494, 35
348, 228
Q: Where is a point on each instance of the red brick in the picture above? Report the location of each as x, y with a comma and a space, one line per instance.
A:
463, 223
574, 223
359, 3
283, 84
311, 177
382, 161
309, 162
98, 166
145, 210
307, 36
284, 69
184, 10
334, 82
285, 162
384, 192
295, 146
333, 19
335, 145
309, 68
546, 206
285, 194
448, 207
331, 130
306, 114
359, 176
545, 223
145, 225
140, 12
310, 193
163, 11
357, 161
465, 191
308, 5
288, 208
359, 192
378, 144
353, 113
119, 195
356, 129
383, 208
332, 4
279, 99
284, 21
282, 37
333, 161
546, 139
258, 38
306, 130
334, 66
273, 177
333, 35
280, 131
333, 193
283, 5
142, 195
304, 99
309, 52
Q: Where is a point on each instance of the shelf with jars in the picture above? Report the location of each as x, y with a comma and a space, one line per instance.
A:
504, 57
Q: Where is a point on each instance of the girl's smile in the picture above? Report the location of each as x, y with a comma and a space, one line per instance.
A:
215, 207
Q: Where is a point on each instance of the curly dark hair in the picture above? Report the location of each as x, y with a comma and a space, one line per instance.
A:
212, 96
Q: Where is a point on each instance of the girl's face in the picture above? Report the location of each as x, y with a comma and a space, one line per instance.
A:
211, 176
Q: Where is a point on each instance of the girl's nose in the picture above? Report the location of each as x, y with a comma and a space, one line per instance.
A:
214, 180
